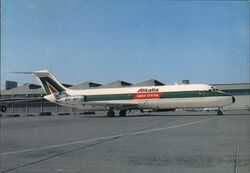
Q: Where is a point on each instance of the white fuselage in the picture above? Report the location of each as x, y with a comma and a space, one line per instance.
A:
149, 97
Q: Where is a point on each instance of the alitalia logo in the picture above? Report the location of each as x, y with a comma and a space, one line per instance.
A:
142, 90
51, 88
148, 93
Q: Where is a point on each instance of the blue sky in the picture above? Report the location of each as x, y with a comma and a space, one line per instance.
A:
104, 41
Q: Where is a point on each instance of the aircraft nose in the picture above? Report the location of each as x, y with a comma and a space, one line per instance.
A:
233, 99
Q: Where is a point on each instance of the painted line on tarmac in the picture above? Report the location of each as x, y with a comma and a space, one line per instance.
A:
105, 137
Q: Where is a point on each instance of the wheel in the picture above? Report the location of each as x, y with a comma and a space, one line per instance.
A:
3, 108
220, 112
111, 113
122, 113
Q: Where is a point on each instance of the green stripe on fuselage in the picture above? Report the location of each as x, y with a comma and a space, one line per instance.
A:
180, 94
109, 97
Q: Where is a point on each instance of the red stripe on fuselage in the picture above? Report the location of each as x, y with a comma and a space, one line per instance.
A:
149, 95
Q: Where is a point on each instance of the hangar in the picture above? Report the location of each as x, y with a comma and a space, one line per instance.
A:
241, 91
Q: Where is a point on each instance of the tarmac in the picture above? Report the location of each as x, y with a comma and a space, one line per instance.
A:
174, 142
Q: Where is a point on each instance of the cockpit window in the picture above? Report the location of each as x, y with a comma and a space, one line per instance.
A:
213, 89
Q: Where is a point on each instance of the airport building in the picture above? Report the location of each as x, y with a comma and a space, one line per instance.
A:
240, 91
10, 85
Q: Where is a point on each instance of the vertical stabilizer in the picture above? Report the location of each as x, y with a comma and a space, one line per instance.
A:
48, 82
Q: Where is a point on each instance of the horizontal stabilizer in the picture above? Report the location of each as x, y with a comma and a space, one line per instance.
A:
21, 72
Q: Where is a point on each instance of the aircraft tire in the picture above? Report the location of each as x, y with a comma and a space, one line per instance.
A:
111, 113
122, 113
219, 112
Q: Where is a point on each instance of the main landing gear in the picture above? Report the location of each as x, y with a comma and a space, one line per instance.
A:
111, 113
219, 112
122, 113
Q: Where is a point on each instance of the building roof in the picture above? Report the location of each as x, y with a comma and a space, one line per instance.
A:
24, 90
86, 85
116, 84
151, 82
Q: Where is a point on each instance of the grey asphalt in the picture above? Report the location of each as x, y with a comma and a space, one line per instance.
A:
156, 142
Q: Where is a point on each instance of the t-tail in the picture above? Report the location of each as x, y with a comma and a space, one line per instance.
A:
49, 82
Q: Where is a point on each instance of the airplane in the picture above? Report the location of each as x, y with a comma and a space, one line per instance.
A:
157, 98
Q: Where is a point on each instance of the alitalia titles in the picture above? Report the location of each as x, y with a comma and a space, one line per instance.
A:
145, 90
